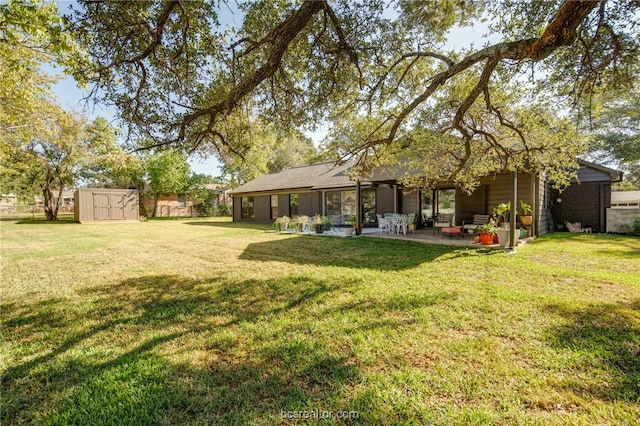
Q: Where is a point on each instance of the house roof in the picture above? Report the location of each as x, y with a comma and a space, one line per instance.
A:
616, 175
330, 175
316, 176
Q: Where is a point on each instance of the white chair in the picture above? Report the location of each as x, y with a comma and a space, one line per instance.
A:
383, 224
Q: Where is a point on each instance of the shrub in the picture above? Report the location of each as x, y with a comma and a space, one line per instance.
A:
636, 227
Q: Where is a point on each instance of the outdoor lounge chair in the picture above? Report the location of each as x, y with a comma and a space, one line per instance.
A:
478, 219
442, 221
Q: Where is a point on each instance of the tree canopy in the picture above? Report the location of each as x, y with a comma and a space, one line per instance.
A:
382, 73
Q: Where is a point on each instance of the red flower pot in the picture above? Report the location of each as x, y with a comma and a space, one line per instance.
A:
486, 239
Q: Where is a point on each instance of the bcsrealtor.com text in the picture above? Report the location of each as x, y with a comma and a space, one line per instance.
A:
318, 414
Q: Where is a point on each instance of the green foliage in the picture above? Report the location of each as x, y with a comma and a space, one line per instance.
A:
394, 91
282, 223
270, 151
525, 209
502, 211
488, 228
618, 136
636, 227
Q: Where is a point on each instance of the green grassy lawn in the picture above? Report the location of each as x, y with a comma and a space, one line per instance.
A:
209, 322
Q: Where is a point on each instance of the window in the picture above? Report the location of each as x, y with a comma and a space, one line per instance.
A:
246, 211
182, 201
293, 204
446, 201
340, 205
368, 206
274, 207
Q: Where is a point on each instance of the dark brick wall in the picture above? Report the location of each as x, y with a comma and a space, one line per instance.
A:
582, 203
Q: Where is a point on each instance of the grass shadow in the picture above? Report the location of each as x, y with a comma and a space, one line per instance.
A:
231, 225
607, 337
127, 354
367, 253
44, 221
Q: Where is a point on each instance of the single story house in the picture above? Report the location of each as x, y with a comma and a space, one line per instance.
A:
328, 189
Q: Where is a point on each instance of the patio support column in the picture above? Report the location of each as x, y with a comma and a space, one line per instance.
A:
535, 211
359, 207
514, 201
395, 198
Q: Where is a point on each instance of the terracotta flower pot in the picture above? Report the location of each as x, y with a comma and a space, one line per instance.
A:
486, 239
526, 220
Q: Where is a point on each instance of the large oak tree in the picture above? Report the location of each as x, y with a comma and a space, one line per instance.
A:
382, 73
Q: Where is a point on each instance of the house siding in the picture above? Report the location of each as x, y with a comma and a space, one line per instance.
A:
384, 200
410, 201
469, 204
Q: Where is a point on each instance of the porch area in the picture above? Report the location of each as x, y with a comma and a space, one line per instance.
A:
427, 236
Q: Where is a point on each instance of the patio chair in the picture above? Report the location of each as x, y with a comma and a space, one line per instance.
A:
410, 220
383, 224
442, 221
478, 219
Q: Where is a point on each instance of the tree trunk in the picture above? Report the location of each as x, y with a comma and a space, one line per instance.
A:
50, 210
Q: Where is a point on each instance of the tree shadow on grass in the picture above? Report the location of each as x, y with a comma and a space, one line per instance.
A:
607, 336
231, 225
44, 221
376, 254
170, 350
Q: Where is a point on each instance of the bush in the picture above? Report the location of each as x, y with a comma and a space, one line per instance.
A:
636, 227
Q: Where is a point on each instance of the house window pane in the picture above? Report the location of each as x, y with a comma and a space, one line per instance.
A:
446, 201
349, 203
332, 204
293, 204
274, 207
368, 206
182, 201
246, 211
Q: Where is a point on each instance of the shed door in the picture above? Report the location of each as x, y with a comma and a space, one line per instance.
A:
117, 209
101, 206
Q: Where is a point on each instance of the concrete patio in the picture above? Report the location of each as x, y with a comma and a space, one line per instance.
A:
426, 236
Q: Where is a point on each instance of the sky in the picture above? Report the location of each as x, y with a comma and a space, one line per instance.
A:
74, 98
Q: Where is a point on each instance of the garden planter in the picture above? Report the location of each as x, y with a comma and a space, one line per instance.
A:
486, 239
503, 237
526, 220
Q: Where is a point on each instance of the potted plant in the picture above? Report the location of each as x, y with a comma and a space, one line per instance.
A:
525, 214
299, 223
476, 234
523, 233
414, 225
502, 213
487, 232
351, 222
282, 223
320, 223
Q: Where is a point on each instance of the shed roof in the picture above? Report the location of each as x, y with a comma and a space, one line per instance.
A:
316, 176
